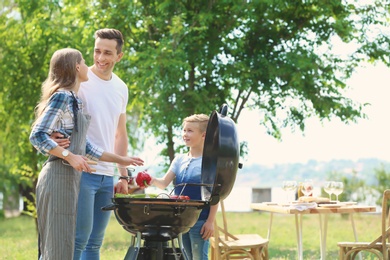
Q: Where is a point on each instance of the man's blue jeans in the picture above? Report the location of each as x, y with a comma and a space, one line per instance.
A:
96, 192
195, 247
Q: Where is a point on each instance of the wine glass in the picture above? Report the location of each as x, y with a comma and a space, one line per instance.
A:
328, 188
338, 188
289, 186
307, 187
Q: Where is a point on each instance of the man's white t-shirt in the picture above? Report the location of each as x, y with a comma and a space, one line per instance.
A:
105, 101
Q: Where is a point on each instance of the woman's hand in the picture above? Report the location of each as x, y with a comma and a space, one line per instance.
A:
78, 162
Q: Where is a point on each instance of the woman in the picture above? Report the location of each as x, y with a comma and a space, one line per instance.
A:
60, 110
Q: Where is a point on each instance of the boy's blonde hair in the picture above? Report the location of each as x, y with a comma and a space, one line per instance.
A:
201, 119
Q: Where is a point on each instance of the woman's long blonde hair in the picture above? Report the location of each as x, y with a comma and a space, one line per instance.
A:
62, 74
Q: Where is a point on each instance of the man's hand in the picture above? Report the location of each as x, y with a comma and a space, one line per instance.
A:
132, 161
122, 186
60, 139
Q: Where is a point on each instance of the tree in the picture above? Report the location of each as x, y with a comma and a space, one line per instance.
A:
383, 183
273, 56
31, 32
185, 57
352, 184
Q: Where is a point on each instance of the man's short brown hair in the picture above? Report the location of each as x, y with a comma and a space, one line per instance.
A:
111, 34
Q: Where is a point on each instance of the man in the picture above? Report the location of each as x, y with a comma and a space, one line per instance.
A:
105, 98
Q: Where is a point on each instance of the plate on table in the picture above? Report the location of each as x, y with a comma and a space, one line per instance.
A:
314, 199
297, 202
348, 203
284, 204
332, 206
270, 203
304, 204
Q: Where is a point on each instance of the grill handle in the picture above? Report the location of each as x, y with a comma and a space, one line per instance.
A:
109, 207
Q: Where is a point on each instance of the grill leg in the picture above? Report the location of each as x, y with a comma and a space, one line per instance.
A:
155, 250
180, 241
132, 252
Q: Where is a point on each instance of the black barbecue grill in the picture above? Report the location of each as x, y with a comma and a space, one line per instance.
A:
157, 223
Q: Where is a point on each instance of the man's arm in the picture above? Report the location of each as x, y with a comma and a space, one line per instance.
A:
121, 145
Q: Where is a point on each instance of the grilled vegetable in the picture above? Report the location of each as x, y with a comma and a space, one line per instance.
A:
135, 196
180, 197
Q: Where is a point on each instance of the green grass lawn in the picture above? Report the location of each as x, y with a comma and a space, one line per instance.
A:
19, 240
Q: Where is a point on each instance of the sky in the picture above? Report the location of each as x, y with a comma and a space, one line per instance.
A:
368, 138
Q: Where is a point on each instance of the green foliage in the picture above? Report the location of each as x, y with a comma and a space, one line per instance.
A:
261, 54
355, 189
31, 34
31, 209
383, 183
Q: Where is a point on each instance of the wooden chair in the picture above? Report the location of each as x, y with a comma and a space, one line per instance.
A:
225, 246
379, 247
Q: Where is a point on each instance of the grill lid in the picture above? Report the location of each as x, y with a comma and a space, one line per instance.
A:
220, 160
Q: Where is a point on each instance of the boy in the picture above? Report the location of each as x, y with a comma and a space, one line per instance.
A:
187, 169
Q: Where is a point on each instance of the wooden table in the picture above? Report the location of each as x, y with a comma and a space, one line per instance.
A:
321, 211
